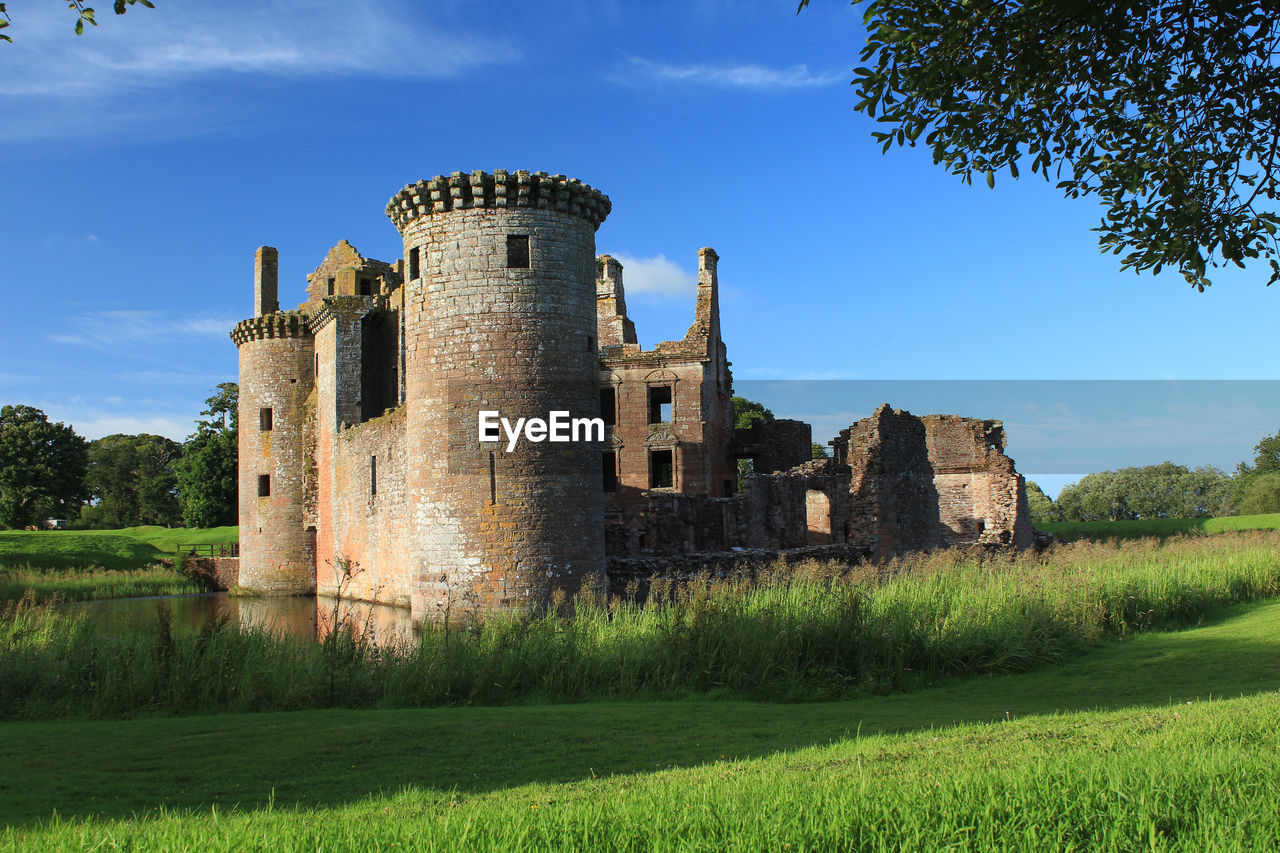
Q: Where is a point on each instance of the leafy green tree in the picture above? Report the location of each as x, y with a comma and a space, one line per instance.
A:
83, 13
1266, 460
207, 473
1041, 505
746, 412
1150, 491
42, 467
819, 452
131, 479
1167, 110
1261, 494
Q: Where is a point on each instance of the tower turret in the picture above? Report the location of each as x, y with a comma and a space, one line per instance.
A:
500, 315
277, 550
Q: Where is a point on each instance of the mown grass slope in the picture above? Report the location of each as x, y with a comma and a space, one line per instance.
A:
1121, 750
75, 565
1158, 527
116, 550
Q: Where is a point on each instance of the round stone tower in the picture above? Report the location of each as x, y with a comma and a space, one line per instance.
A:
500, 316
277, 550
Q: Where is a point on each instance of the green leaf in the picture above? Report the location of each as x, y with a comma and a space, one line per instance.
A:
991, 179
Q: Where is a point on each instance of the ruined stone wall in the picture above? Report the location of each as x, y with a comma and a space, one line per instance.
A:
893, 503
776, 445
276, 374
771, 512
981, 498
696, 373
612, 323
634, 439
501, 528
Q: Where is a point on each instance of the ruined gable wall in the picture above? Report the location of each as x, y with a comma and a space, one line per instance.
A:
893, 503
981, 497
634, 436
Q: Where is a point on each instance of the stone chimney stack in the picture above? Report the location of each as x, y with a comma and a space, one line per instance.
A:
266, 281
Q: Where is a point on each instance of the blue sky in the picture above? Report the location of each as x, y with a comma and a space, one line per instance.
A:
147, 159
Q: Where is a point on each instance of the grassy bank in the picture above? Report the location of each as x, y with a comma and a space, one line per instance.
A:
117, 550
1116, 751
800, 632
86, 584
1158, 527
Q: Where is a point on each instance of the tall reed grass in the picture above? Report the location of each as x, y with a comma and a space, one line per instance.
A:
794, 631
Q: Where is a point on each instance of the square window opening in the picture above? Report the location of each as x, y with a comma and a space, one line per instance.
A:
366, 287
264, 485
332, 284
264, 419
413, 262
661, 470
660, 404
517, 251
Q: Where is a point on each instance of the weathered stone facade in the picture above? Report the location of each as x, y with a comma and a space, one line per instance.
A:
358, 422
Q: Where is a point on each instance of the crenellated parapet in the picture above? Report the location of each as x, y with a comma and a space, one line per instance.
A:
281, 324
342, 307
500, 190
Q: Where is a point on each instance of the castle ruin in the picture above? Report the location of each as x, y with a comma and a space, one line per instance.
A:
359, 441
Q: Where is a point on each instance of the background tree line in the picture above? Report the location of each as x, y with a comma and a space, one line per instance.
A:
48, 471
1167, 491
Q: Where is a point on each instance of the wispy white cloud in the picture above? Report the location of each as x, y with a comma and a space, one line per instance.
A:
176, 377
120, 332
96, 424
740, 76
155, 48
657, 276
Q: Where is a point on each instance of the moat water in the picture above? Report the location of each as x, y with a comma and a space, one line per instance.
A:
304, 618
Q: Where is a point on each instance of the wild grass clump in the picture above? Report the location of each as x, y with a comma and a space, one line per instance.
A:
93, 583
792, 631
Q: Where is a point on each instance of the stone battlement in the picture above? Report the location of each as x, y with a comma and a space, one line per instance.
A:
281, 324
502, 189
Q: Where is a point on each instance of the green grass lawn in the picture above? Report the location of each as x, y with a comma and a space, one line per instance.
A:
1159, 527
83, 564
1119, 749
117, 550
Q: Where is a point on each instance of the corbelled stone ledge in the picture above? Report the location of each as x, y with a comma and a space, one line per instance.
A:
502, 189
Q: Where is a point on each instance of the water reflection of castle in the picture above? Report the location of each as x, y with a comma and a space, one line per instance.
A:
302, 618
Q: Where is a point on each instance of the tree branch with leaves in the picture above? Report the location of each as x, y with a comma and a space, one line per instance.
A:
1167, 110
83, 13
